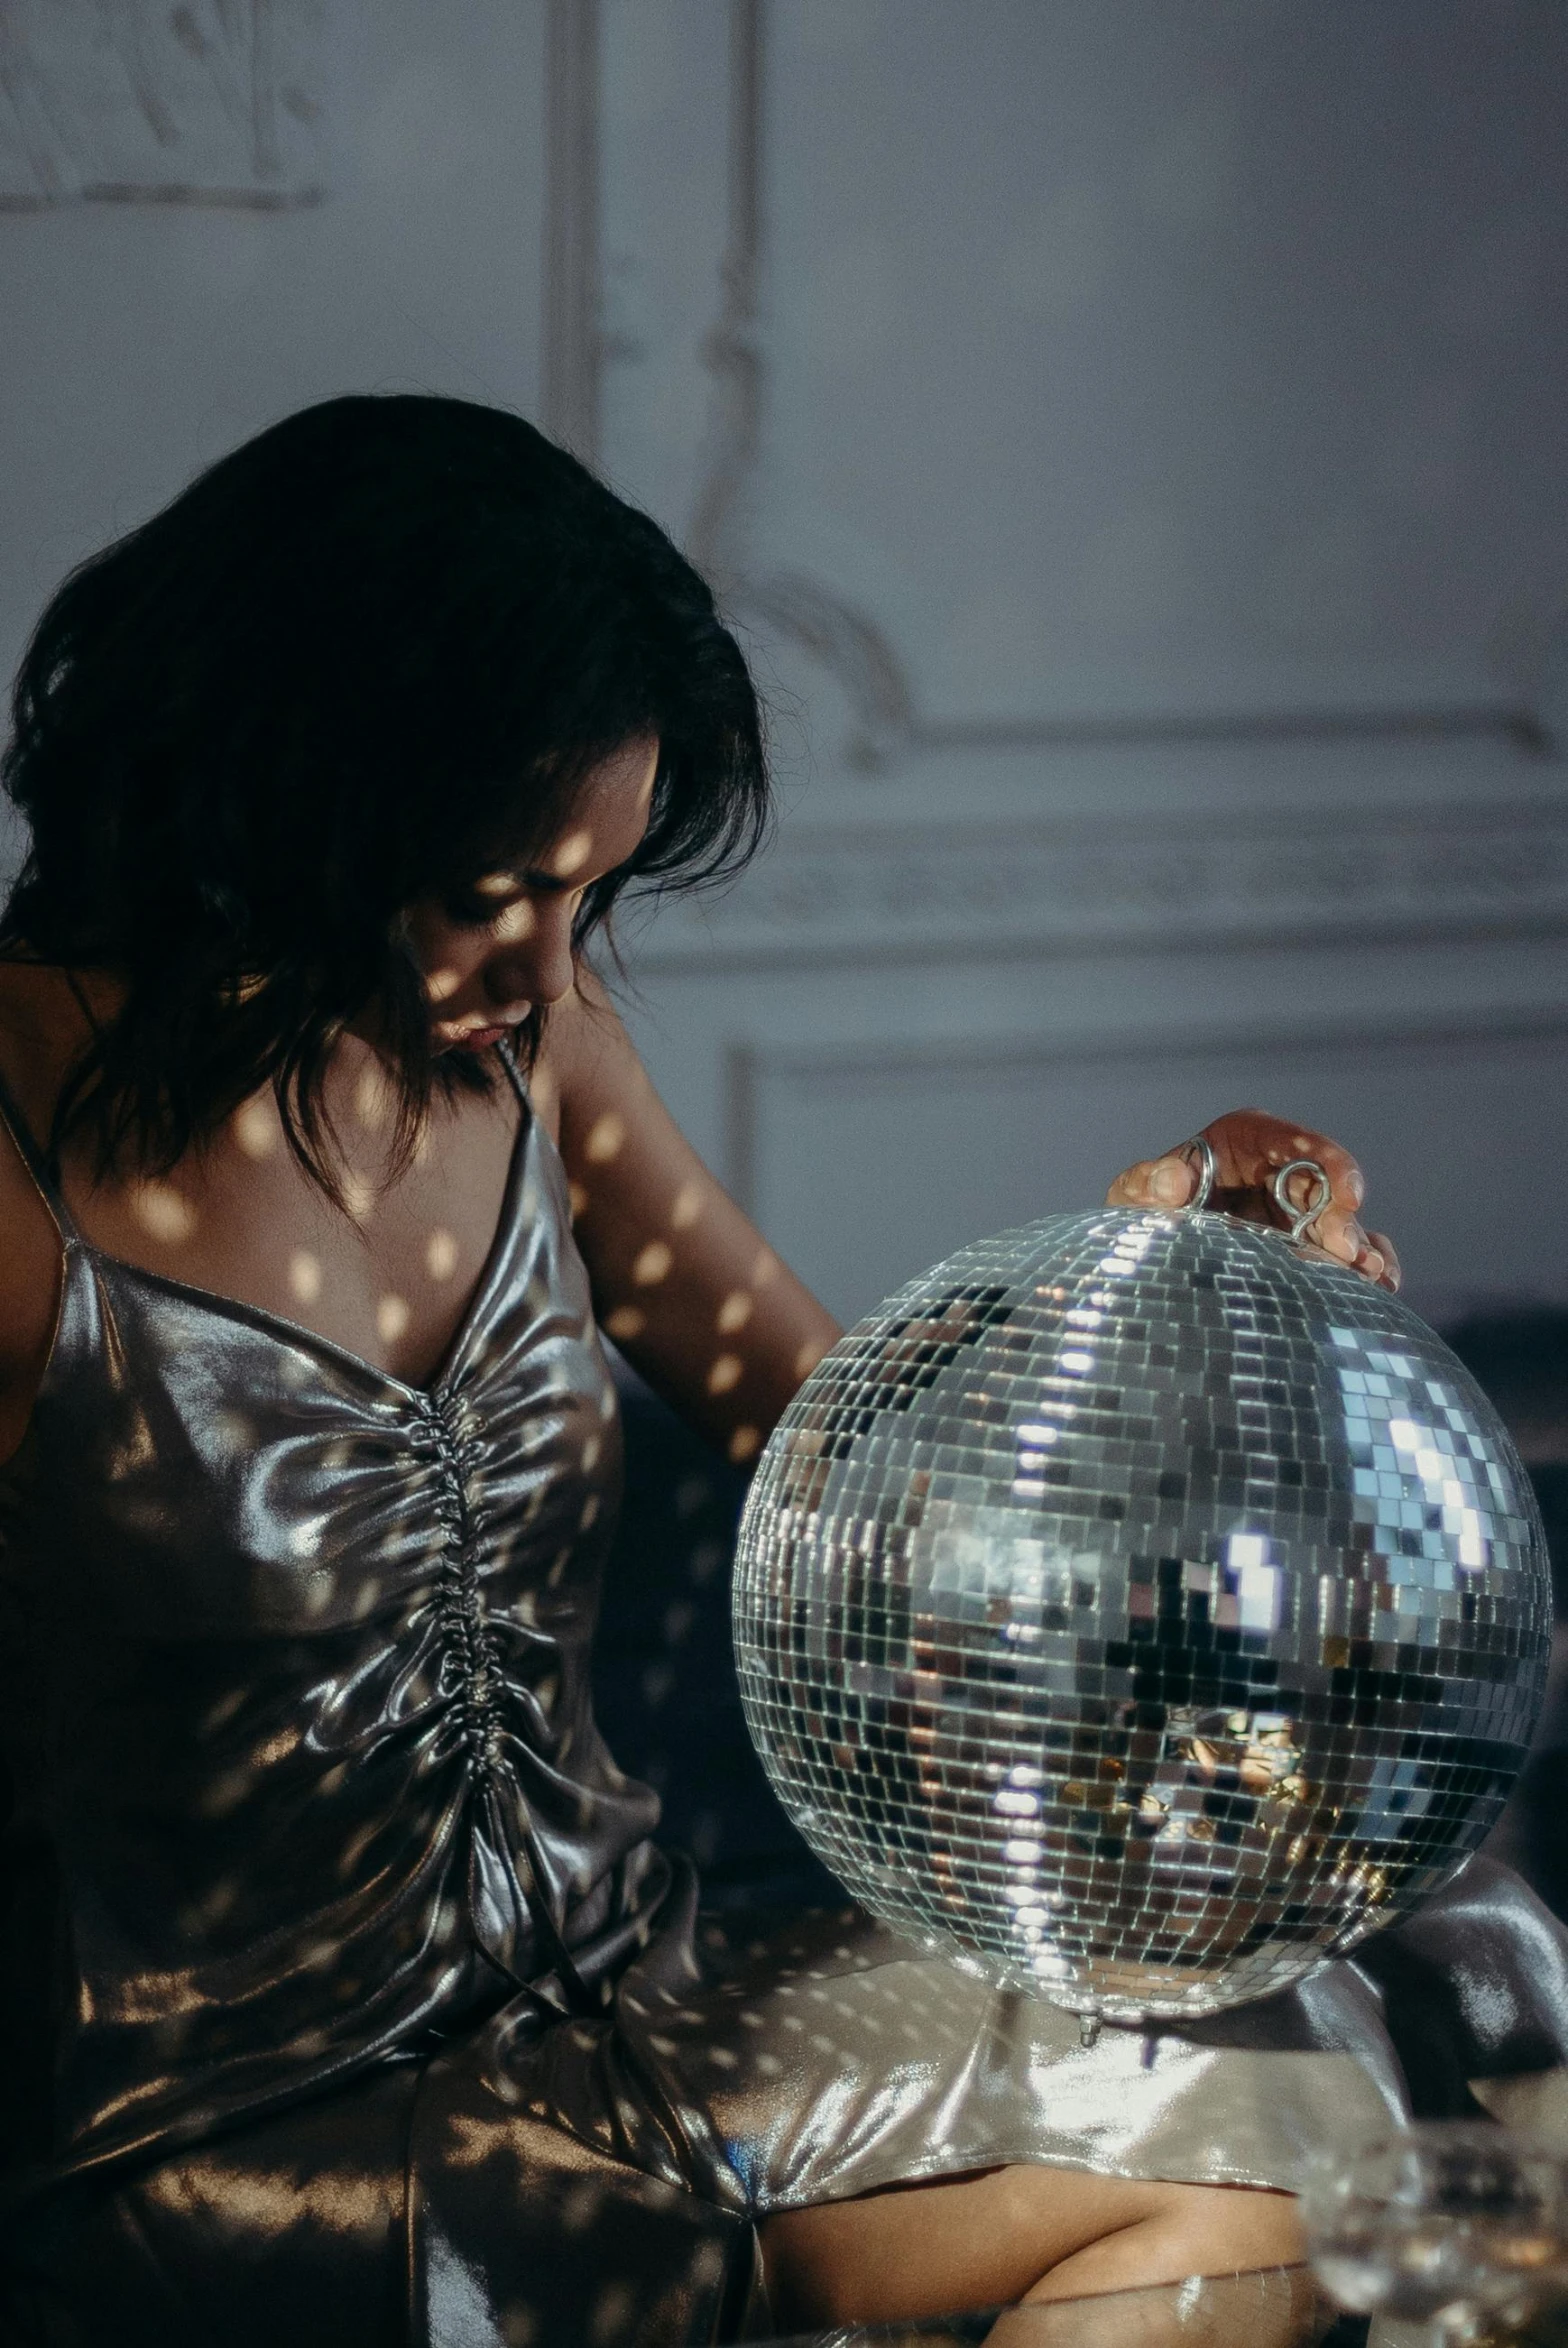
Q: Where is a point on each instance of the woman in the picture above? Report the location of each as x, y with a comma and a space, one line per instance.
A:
347, 1998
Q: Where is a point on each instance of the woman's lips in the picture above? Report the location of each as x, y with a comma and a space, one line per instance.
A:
470, 1039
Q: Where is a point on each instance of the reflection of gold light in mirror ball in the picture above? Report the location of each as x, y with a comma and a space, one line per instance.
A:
1141, 1609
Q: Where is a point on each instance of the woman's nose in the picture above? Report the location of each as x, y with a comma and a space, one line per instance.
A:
539, 970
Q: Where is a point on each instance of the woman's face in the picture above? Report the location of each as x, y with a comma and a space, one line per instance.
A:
506, 950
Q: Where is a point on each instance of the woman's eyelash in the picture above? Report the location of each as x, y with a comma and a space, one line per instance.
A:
474, 912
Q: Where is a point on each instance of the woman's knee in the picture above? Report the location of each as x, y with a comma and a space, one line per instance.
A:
1180, 2230
1013, 2234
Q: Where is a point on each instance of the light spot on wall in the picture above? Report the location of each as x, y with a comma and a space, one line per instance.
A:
725, 1373
744, 1444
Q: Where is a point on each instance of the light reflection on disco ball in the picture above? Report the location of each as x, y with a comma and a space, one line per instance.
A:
1141, 1608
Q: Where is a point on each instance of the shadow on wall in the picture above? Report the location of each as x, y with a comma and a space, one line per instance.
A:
669, 1703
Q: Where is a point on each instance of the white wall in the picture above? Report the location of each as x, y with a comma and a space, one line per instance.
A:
140, 340
1133, 439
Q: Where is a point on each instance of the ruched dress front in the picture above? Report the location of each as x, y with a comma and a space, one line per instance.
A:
344, 1997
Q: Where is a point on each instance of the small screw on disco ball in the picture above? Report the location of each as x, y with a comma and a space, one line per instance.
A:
1140, 1608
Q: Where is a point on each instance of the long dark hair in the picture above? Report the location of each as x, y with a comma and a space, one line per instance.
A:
363, 659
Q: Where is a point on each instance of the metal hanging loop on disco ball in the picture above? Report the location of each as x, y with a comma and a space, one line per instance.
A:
1140, 1607
1298, 1220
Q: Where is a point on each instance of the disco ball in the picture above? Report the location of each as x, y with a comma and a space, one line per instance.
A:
1140, 1608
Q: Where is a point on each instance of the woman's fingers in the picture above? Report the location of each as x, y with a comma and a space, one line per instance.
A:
1383, 1247
1250, 1149
1154, 1182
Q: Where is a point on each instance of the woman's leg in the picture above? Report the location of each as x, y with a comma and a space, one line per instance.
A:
1009, 2234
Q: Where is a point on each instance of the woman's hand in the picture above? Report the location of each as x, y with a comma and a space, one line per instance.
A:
1249, 1149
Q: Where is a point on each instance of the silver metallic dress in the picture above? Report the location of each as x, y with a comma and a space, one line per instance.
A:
344, 1997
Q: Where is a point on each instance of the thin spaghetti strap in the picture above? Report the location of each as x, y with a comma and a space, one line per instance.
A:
509, 1063
36, 1161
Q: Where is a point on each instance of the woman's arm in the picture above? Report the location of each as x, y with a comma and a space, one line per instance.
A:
683, 1282
688, 1287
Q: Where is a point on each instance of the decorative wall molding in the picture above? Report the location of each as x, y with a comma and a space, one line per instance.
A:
886, 724
216, 102
851, 896
864, 1067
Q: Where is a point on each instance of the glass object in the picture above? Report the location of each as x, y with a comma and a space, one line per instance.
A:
1454, 2226
1141, 1608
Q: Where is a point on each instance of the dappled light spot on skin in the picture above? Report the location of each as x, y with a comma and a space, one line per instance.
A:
744, 1444
440, 984
373, 1101
515, 923
497, 884
734, 1312
725, 1373
653, 1264
606, 1138
576, 1199
160, 1209
391, 1317
571, 853
256, 1126
305, 1275
440, 1254
591, 1450
687, 1207
765, 1268
359, 1197
808, 1357
626, 1321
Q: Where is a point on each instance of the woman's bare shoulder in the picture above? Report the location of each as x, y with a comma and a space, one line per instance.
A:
585, 1050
